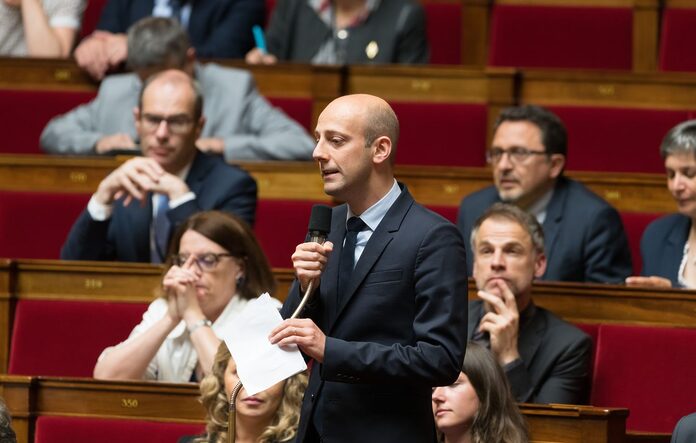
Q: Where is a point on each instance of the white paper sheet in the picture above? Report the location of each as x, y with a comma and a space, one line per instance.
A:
260, 365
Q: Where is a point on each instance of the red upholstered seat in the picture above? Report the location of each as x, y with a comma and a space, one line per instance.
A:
593, 331
36, 224
280, 226
27, 112
64, 338
561, 37
444, 22
647, 370
451, 134
449, 212
677, 39
299, 109
616, 139
77, 429
634, 224
90, 18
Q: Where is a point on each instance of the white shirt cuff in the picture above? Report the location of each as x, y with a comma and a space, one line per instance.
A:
181, 200
98, 211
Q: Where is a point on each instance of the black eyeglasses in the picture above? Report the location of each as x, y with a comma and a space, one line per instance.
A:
177, 124
516, 155
207, 262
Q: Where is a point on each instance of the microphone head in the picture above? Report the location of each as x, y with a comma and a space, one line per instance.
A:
320, 220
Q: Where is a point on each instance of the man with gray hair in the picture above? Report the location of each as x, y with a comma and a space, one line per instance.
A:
584, 234
545, 359
240, 123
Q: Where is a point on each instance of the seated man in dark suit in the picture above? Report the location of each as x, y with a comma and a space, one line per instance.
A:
545, 359
218, 29
136, 207
585, 239
240, 123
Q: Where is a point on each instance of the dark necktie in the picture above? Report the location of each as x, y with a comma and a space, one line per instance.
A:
160, 226
347, 260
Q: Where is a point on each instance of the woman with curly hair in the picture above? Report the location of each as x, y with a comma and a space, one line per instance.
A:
478, 407
271, 416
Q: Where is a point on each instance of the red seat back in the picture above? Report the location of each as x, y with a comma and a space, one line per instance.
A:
593, 331
90, 18
444, 23
634, 224
616, 139
64, 338
426, 133
299, 109
36, 224
647, 370
449, 212
26, 112
561, 37
280, 226
77, 429
677, 39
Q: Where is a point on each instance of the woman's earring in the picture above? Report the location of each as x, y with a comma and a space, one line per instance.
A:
240, 280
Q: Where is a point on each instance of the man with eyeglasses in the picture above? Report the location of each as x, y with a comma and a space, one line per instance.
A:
241, 123
137, 207
585, 237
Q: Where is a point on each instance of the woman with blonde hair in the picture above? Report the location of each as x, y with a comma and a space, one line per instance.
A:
271, 416
478, 407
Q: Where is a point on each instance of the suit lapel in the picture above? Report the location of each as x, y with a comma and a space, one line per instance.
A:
138, 221
379, 240
199, 169
554, 217
676, 239
531, 336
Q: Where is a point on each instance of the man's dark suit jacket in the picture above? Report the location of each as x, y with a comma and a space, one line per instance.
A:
662, 246
296, 32
217, 28
400, 331
126, 235
685, 431
584, 236
555, 358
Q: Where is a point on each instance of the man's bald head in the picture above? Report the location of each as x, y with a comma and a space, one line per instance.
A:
375, 115
178, 79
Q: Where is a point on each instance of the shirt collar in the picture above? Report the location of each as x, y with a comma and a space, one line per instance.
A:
375, 213
538, 208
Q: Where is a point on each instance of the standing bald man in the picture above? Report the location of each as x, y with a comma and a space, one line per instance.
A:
388, 320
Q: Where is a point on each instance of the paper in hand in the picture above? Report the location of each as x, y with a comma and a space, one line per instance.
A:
260, 364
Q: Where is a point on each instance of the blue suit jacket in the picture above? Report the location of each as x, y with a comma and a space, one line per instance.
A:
400, 330
126, 235
685, 431
584, 236
662, 246
555, 359
217, 28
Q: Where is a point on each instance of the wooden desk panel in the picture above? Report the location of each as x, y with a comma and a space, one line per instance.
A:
5, 317
29, 397
50, 74
567, 423
433, 185
604, 304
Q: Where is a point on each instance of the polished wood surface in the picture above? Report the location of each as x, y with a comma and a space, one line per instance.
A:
431, 185
30, 397
614, 304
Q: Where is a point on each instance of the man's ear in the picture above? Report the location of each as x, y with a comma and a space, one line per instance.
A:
136, 117
557, 164
539, 264
199, 126
382, 147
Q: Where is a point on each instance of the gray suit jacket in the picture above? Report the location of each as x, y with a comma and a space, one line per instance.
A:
233, 108
685, 431
555, 358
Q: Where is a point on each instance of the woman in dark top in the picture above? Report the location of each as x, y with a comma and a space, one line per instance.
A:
271, 416
478, 407
668, 245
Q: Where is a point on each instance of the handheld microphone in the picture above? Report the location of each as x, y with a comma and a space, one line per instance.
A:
319, 228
